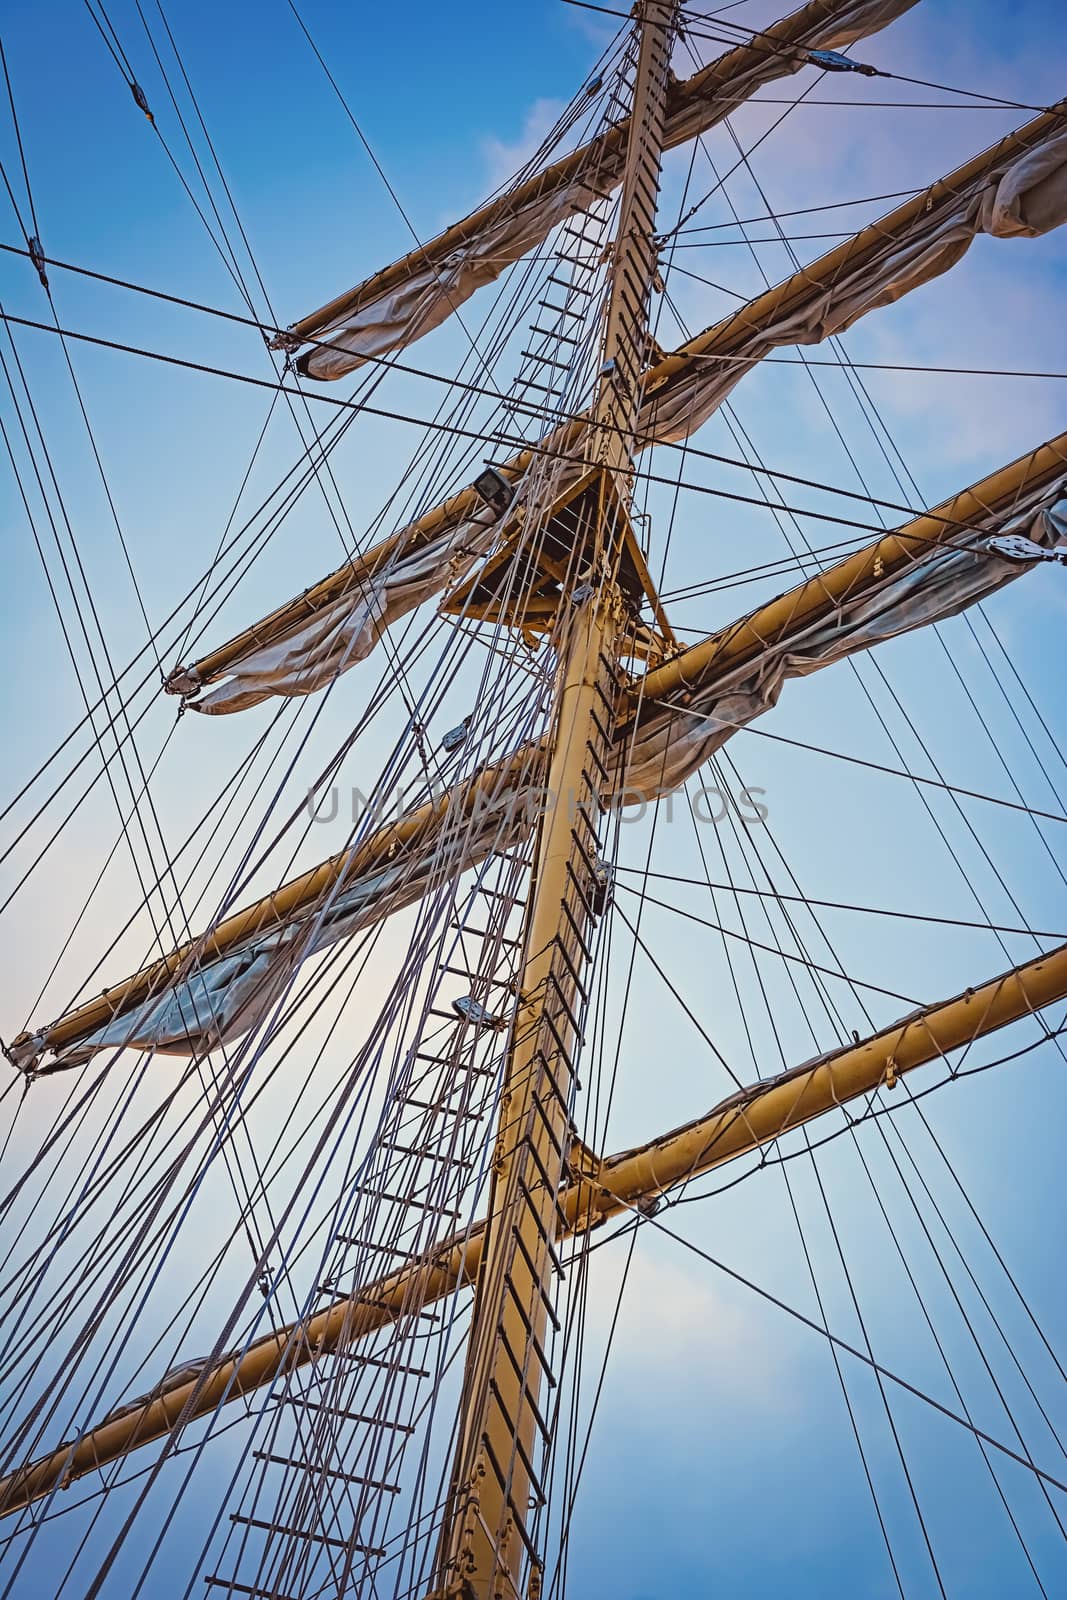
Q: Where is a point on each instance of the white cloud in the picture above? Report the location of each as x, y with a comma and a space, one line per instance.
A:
1000, 310
503, 158
703, 1338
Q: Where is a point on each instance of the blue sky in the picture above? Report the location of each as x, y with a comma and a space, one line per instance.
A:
723, 1460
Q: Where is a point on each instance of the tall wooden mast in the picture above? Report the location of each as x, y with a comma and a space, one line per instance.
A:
486, 1544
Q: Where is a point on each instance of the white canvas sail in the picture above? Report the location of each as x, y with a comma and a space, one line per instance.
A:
670, 747
1024, 196
346, 630
426, 298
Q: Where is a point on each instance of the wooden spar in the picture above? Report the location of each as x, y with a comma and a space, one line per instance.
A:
720, 652
486, 1549
691, 110
723, 340
286, 902
813, 599
782, 299
754, 1117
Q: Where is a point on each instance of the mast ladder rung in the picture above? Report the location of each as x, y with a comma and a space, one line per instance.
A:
598, 763
549, 361
445, 1111
583, 267
570, 255
498, 938
476, 977
447, 1061
586, 265
585, 813
601, 194
374, 1244
535, 1342
594, 718
583, 252
633, 355
531, 1200
609, 669
563, 1051
354, 1416
572, 971
579, 936
380, 1361
542, 1426
590, 865
581, 234
537, 1494
545, 1062
562, 998
333, 1472
425, 1155
615, 672
520, 1306
568, 285
288, 1532
500, 894
536, 1491
423, 1205
545, 388
387, 1305
562, 311
552, 1134
523, 1377
553, 333
580, 892
557, 1266
214, 1581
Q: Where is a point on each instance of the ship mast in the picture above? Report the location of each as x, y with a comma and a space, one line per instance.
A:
486, 1543
558, 561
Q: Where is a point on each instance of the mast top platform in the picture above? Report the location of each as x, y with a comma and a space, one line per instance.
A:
526, 581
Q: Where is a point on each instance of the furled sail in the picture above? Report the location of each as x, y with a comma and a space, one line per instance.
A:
674, 744
217, 989
347, 628
214, 990
1017, 188
411, 297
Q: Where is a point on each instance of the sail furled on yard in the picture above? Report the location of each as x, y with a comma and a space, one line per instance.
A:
686, 730
211, 991
411, 297
346, 629
1015, 189
216, 990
